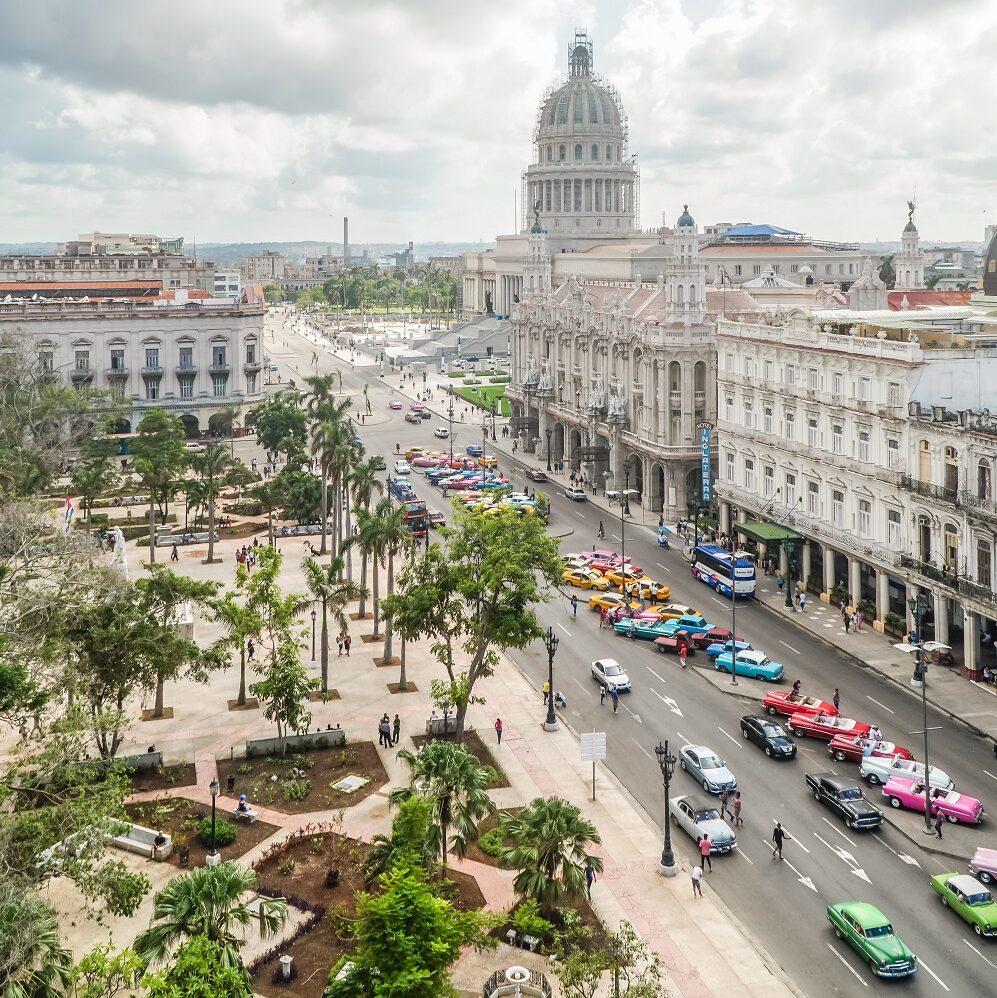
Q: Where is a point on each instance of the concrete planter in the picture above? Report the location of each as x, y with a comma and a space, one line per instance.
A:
335, 738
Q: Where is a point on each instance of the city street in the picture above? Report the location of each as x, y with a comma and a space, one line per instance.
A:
824, 862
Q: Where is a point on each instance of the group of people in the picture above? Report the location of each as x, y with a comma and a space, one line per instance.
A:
851, 620
343, 642
389, 732
246, 555
559, 700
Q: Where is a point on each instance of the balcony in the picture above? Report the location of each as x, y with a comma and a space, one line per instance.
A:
675, 400
152, 371
930, 491
219, 367
637, 388
253, 366
930, 571
188, 369
977, 591
983, 506
116, 372
82, 372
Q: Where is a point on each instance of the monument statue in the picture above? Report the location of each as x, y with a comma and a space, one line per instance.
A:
910, 212
536, 228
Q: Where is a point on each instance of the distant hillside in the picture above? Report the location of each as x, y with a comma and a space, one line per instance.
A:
230, 254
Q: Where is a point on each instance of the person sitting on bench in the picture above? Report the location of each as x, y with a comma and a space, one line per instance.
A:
157, 846
244, 810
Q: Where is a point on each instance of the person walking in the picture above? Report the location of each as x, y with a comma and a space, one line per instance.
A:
396, 730
779, 835
251, 650
939, 822
339, 644
836, 699
697, 881
848, 621
602, 695
781, 583
574, 607
546, 691
725, 804
614, 695
705, 847
803, 601
602, 531
589, 879
174, 555
498, 730
737, 808
602, 617
347, 641
683, 650
857, 621
384, 733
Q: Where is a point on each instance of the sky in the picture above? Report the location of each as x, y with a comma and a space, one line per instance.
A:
270, 121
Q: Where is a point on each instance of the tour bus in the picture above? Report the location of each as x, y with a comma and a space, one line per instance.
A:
712, 564
416, 516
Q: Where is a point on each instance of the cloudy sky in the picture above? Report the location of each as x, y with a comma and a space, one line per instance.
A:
269, 121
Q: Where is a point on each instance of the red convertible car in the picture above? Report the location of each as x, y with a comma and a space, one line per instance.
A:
825, 726
853, 747
789, 703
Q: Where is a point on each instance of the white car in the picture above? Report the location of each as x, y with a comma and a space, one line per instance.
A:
608, 672
575, 561
402, 467
699, 816
879, 769
575, 495
442, 432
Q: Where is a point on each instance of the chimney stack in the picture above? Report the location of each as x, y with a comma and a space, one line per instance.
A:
346, 240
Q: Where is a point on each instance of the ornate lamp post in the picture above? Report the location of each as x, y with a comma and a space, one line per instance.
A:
547, 434
213, 788
920, 678
666, 763
692, 505
450, 421
551, 641
314, 615
790, 571
494, 417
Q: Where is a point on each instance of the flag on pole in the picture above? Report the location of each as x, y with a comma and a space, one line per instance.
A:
70, 513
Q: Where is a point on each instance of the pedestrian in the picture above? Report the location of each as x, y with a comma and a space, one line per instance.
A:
602, 531
384, 733
683, 650
661, 522
602, 695
602, 617
725, 804
803, 601
614, 695
779, 835
781, 583
251, 649
396, 730
836, 699
589, 879
848, 622
697, 881
347, 641
939, 821
174, 556
546, 691
498, 730
574, 607
737, 808
857, 621
705, 847
339, 644
796, 688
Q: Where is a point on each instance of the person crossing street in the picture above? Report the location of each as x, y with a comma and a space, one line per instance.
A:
779, 835
615, 697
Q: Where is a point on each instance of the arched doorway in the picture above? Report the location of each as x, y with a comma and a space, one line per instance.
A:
250, 421
122, 426
218, 425
656, 487
191, 427
574, 443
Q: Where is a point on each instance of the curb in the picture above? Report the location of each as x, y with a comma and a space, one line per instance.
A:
933, 850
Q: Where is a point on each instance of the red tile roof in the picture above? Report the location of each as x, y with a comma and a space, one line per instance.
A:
921, 299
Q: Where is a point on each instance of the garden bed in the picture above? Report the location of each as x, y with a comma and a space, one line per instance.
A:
181, 819
473, 743
318, 768
589, 919
163, 778
474, 850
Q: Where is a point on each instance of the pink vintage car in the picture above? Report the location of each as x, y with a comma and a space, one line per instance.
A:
984, 864
953, 806
427, 462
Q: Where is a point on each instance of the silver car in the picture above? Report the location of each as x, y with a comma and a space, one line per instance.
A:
608, 672
700, 817
704, 765
878, 769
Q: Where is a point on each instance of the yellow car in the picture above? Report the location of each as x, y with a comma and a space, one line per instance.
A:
585, 578
610, 601
620, 575
488, 461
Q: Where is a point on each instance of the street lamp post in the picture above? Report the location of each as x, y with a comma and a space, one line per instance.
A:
547, 433
551, 641
450, 420
213, 789
916, 605
666, 763
790, 559
494, 417
314, 614
733, 618
693, 507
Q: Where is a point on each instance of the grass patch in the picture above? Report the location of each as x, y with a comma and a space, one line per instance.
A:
483, 395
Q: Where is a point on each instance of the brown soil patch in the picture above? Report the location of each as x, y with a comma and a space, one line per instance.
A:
181, 819
410, 687
245, 529
589, 919
393, 661
320, 768
317, 696
357, 616
474, 851
370, 638
477, 748
251, 704
163, 778
150, 714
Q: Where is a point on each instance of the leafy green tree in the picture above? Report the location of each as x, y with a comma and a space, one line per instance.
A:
268, 496
299, 493
105, 972
199, 971
21, 694
94, 474
407, 940
334, 594
273, 293
226, 419
216, 902
475, 596
637, 968
241, 622
33, 962
365, 482
549, 840
457, 785
215, 468
303, 299
159, 457
409, 838
281, 425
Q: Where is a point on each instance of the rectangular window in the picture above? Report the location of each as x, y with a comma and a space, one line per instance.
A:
791, 496
893, 454
768, 370
251, 383
837, 439
813, 433
865, 518
730, 362
218, 356
186, 356
152, 389
749, 475
82, 360
737, 270
794, 268
729, 408
729, 465
747, 367
768, 481
863, 445
152, 356
186, 388
838, 509
827, 268
791, 375
218, 385
47, 360
894, 394
837, 384
756, 269
865, 389
250, 353
775, 268
813, 498
812, 381
893, 529
117, 360
768, 419
790, 426
749, 415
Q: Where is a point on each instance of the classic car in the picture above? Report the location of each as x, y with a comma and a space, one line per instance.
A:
875, 769
606, 561
971, 902
719, 647
416, 406
412, 452
536, 475
768, 736
704, 765
984, 864
672, 611
611, 601
575, 495
700, 817
952, 806
576, 560
436, 518
852, 748
824, 726
425, 461
789, 703
402, 467
869, 932
424, 414
646, 627
442, 432
690, 623
620, 575
584, 578
412, 417
751, 663
394, 404
474, 450
845, 798
608, 672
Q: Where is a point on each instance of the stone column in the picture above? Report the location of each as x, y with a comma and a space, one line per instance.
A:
724, 517
828, 561
783, 562
854, 580
688, 405
942, 619
882, 593
806, 563
913, 593
970, 643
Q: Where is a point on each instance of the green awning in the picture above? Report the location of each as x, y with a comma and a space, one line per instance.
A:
767, 533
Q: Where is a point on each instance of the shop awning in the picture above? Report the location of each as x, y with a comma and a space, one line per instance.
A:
766, 533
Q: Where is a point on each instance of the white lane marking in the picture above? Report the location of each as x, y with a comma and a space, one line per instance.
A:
740, 852
921, 963
790, 647
662, 567
581, 686
644, 750
724, 733
902, 856
991, 775
978, 953
792, 838
878, 704
720, 601
615, 538
563, 628
636, 717
685, 740
582, 515
837, 831
806, 881
671, 704
656, 676
851, 969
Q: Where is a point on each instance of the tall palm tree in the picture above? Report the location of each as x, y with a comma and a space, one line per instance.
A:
549, 840
33, 963
340, 462
325, 438
395, 536
214, 468
457, 784
208, 902
226, 419
368, 540
364, 482
326, 585
241, 623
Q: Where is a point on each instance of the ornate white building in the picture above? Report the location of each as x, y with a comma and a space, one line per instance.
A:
908, 264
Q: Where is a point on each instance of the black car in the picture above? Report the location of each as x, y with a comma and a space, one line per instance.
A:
845, 798
536, 475
424, 414
768, 735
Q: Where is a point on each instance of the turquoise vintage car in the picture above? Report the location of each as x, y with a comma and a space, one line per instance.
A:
691, 623
751, 663
647, 629
869, 932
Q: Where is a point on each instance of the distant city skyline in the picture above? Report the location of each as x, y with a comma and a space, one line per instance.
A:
271, 123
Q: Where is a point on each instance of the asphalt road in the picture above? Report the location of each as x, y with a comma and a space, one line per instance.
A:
781, 903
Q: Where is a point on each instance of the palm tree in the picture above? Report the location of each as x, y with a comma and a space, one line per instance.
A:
340, 462
549, 839
457, 784
226, 419
325, 438
368, 539
364, 482
326, 585
214, 468
89, 480
395, 536
208, 902
33, 963
241, 623
269, 498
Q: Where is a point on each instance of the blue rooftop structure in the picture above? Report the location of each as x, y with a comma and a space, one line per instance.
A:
758, 231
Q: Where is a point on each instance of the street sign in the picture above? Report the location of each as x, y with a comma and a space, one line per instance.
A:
705, 461
593, 750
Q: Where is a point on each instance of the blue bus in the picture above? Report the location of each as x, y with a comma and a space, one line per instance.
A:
712, 564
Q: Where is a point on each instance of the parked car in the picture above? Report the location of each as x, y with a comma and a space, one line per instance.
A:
394, 404
576, 561
436, 518
611, 601
424, 414
416, 406
474, 450
704, 765
876, 770
442, 432
719, 647
825, 726
628, 575
575, 495
845, 798
768, 736
608, 672
412, 417
750, 663
690, 623
647, 626
698, 817
671, 611
952, 806
984, 864
536, 475
584, 578
869, 932
378, 463
402, 467
852, 748
971, 902
789, 703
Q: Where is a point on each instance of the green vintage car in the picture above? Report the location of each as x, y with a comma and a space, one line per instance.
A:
969, 899
869, 932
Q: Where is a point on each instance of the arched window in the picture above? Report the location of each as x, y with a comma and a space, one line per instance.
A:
984, 563
593, 110
562, 111
578, 108
550, 154
675, 376
595, 151
951, 536
578, 151
609, 153
699, 376
984, 484
561, 153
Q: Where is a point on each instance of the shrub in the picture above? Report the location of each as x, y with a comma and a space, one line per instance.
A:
491, 842
527, 921
286, 866
296, 789
224, 832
